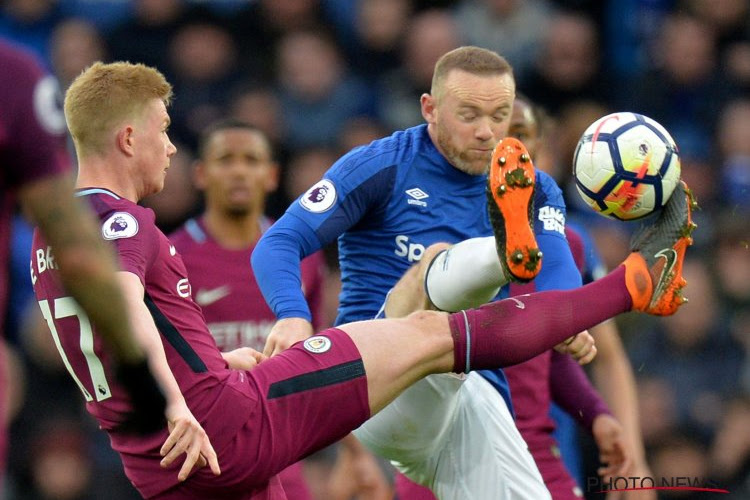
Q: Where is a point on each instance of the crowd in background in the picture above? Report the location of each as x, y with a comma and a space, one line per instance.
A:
322, 76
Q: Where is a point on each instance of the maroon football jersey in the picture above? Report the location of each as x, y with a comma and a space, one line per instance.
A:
225, 288
190, 349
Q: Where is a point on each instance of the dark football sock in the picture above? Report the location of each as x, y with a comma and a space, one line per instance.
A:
511, 331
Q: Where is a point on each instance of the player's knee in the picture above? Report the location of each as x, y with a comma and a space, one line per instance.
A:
431, 252
428, 321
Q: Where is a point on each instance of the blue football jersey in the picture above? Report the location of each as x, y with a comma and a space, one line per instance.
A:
386, 202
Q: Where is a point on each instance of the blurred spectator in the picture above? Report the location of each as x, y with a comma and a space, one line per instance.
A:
736, 60
429, 35
681, 455
733, 140
630, 30
684, 91
305, 168
317, 93
104, 14
145, 37
263, 23
375, 45
693, 352
359, 131
512, 28
259, 106
30, 23
731, 258
728, 19
730, 452
568, 67
12, 369
658, 406
203, 69
75, 45
61, 467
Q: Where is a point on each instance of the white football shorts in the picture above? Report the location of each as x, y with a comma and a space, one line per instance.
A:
455, 435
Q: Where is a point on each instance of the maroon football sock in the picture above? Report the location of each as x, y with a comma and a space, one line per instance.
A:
514, 330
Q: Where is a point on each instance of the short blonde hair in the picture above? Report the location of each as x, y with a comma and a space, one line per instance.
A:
474, 60
105, 95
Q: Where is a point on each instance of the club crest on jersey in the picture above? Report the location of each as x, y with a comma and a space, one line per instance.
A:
317, 344
119, 225
320, 197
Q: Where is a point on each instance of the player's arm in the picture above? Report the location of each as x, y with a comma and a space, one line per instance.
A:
276, 265
185, 433
349, 190
315, 276
571, 389
613, 375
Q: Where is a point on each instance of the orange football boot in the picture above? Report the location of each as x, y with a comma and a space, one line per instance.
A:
653, 271
510, 200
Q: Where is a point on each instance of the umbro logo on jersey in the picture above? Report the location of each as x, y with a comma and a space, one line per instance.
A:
416, 196
206, 297
172, 250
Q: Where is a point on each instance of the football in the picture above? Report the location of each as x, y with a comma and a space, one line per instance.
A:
626, 166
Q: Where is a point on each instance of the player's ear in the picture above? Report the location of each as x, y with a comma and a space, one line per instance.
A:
199, 174
272, 179
125, 140
428, 105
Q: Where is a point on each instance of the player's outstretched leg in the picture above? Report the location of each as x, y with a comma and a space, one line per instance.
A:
654, 269
510, 201
510, 331
650, 280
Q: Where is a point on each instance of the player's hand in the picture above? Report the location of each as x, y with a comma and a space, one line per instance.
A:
149, 405
286, 332
244, 358
614, 452
580, 346
187, 436
639, 472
